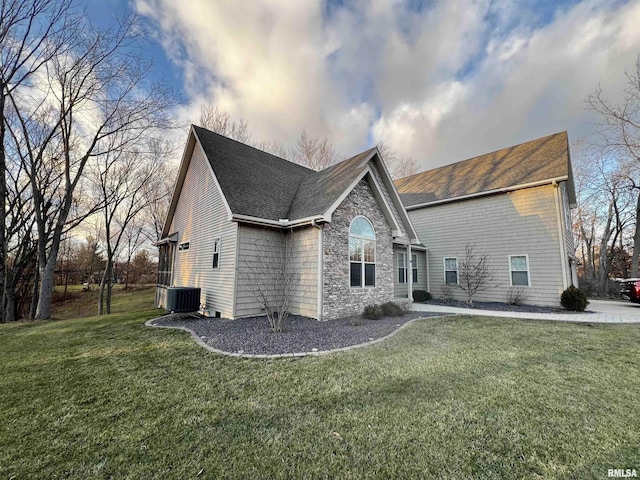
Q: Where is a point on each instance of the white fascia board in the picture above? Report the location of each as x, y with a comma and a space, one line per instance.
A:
369, 157
347, 191
236, 217
489, 192
383, 199
394, 191
380, 196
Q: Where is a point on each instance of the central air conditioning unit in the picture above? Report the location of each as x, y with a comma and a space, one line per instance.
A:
183, 299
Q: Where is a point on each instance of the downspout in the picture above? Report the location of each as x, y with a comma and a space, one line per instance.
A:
561, 239
410, 275
426, 268
320, 259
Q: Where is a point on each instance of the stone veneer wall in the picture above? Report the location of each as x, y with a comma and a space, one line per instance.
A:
339, 299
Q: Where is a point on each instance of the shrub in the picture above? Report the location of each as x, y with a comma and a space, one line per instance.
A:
447, 294
391, 309
516, 296
421, 296
574, 299
372, 312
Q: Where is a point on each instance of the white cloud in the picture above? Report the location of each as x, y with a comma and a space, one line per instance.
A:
439, 83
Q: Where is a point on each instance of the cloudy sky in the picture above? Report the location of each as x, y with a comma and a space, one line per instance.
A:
439, 80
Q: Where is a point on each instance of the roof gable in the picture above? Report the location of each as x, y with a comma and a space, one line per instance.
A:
254, 183
258, 187
537, 161
318, 191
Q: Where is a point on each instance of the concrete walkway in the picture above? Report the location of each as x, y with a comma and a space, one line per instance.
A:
598, 311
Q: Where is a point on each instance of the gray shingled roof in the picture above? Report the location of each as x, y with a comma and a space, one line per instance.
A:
262, 185
254, 182
542, 159
321, 189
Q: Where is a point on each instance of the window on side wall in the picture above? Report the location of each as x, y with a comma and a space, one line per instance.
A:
451, 270
519, 270
402, 267
362, 253
183, 246
216, 253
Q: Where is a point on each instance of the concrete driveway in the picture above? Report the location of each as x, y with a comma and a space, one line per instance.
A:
598, 311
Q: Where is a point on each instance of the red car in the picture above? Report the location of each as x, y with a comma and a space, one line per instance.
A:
630, 289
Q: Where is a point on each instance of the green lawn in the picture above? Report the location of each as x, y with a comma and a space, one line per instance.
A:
456, 397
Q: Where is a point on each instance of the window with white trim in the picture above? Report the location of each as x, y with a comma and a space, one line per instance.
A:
519, 270
414, 268
183, 246
402, 267
451, 270
362, 253
216, 253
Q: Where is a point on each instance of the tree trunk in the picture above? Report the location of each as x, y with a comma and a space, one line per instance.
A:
10, 307
109, 289
45, 295
101, 291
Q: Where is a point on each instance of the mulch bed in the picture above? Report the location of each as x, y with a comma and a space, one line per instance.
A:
253, 335
500, 306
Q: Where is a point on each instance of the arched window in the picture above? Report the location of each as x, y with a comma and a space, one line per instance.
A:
362, 253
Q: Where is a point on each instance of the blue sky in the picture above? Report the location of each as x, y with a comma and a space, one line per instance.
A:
437, 80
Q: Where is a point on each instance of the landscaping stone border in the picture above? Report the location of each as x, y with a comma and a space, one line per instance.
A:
202, 343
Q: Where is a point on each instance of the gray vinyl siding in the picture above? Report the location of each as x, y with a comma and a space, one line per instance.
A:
201, 217
421, 284
304, 253
523, 222
401, 290
259, 247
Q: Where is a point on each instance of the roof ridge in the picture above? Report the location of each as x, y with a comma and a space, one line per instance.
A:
310, 170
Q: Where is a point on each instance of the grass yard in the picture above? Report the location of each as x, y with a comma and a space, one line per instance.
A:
459, 397
78, 303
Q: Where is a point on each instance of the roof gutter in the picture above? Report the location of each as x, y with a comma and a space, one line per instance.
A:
282, 223
522, 186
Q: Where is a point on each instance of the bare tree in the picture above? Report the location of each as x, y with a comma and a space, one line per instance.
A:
158, 190
620, 132
605, 215
398, 166
221, 122
119, 181
31, 33
474, 273
273, 278
274, 148
134, 238
96, 100
314, 153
